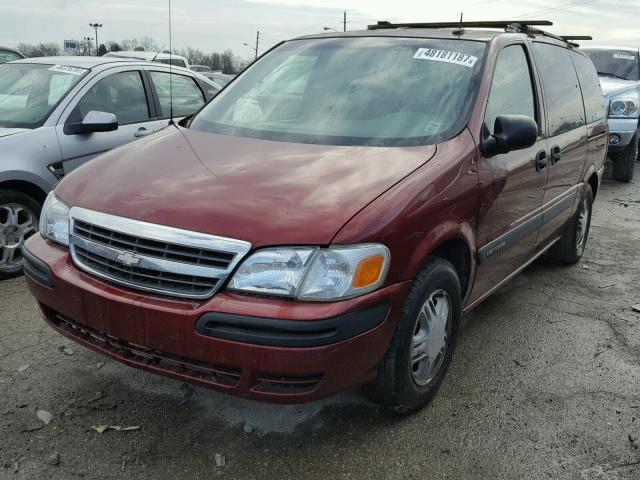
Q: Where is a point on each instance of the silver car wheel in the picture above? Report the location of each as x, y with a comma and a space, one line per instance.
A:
17, 223
582, 226
431, 337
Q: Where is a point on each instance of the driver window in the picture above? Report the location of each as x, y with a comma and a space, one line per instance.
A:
121, 94
512, 89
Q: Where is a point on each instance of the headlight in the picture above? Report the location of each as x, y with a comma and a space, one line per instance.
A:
54, 220
624, 107
312, 273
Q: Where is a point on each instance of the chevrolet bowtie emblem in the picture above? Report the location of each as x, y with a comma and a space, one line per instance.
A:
128, 259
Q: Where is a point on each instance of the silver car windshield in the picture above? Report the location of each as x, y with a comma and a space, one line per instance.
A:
29, 92
621, 64
374, 91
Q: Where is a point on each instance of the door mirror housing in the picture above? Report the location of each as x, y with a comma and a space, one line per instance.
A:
93, 121
511, 132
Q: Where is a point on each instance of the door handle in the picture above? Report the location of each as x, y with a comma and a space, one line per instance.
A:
143, 132
541, 160
556, 155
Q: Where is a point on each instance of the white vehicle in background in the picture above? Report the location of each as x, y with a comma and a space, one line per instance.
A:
201, 68
165, 58
9, 55
619, 71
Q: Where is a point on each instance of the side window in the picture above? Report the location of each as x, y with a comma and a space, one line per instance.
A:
121, 94
511, 87
560, 87
590, 84
187, 96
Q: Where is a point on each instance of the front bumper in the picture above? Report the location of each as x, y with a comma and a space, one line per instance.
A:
198, 341
623, 128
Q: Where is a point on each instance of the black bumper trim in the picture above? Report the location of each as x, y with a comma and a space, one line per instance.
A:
290, 333
36, 269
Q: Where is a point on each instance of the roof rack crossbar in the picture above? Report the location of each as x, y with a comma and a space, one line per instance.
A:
490, 24
576, 37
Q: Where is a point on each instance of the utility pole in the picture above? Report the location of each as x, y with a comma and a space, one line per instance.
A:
96, 26
344, 20
257, 43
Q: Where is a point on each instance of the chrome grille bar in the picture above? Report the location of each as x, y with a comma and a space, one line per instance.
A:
151, 257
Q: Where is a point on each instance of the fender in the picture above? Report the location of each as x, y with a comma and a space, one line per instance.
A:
24, 176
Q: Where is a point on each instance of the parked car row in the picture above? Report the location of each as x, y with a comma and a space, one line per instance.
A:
321, 224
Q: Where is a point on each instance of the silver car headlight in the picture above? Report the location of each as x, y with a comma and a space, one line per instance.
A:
624, 107
313, 273
54, 220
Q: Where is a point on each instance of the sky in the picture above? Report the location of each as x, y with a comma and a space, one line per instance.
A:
216, 25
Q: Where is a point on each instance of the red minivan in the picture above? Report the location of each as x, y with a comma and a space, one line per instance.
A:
326, 220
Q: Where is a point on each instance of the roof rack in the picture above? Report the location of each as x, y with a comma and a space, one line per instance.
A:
523, 25
513, 26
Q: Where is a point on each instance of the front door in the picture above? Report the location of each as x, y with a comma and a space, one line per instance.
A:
512, 184
122, 93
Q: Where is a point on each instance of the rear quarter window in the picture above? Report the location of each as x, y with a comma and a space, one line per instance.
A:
594, 106
563, 98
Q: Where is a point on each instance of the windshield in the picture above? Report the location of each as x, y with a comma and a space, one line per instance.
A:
615, 63
376, 91
30, 92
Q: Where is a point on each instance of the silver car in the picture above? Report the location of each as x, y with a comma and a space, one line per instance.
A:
56, 113
619, 71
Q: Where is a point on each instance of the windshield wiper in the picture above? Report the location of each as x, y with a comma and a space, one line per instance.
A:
612, 75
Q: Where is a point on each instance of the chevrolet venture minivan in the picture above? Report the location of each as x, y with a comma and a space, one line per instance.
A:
326, 220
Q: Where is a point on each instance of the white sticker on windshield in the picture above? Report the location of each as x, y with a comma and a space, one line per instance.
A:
623, 57
68, 69
446, 56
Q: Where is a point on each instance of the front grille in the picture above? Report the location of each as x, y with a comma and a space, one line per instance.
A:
152, 257
152, 248
142, 277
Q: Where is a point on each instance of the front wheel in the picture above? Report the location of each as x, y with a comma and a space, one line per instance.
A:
422, 346
18, 221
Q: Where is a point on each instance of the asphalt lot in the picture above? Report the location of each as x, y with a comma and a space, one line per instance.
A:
545, 383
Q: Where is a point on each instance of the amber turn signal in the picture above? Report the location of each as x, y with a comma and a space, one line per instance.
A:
368, 271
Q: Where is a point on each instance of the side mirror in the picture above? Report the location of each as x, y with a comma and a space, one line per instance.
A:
511, 132
93, 122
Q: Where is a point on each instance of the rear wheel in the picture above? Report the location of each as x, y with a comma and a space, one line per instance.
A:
18, 221
570, 247
624, 161
422, 346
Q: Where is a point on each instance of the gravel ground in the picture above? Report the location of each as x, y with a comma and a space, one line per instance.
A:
545, 383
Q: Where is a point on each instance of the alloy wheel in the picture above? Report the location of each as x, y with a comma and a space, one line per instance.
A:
17, 223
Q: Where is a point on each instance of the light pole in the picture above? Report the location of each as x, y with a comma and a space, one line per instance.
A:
255, 50
88, 41
96, 26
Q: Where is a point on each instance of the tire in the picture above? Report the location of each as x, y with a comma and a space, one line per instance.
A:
19, 214
405, 385
625, 161
570, 247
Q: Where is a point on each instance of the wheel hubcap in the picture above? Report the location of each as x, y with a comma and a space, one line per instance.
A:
430, 337
583, 224
17, 223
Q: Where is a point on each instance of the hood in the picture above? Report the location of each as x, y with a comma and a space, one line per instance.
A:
5, 132
264, 192
613, 86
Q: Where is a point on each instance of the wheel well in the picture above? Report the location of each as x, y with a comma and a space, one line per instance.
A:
457, 252
28, 188
593, 181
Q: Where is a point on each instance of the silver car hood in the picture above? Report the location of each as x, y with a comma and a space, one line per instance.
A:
5, 132
612, 87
